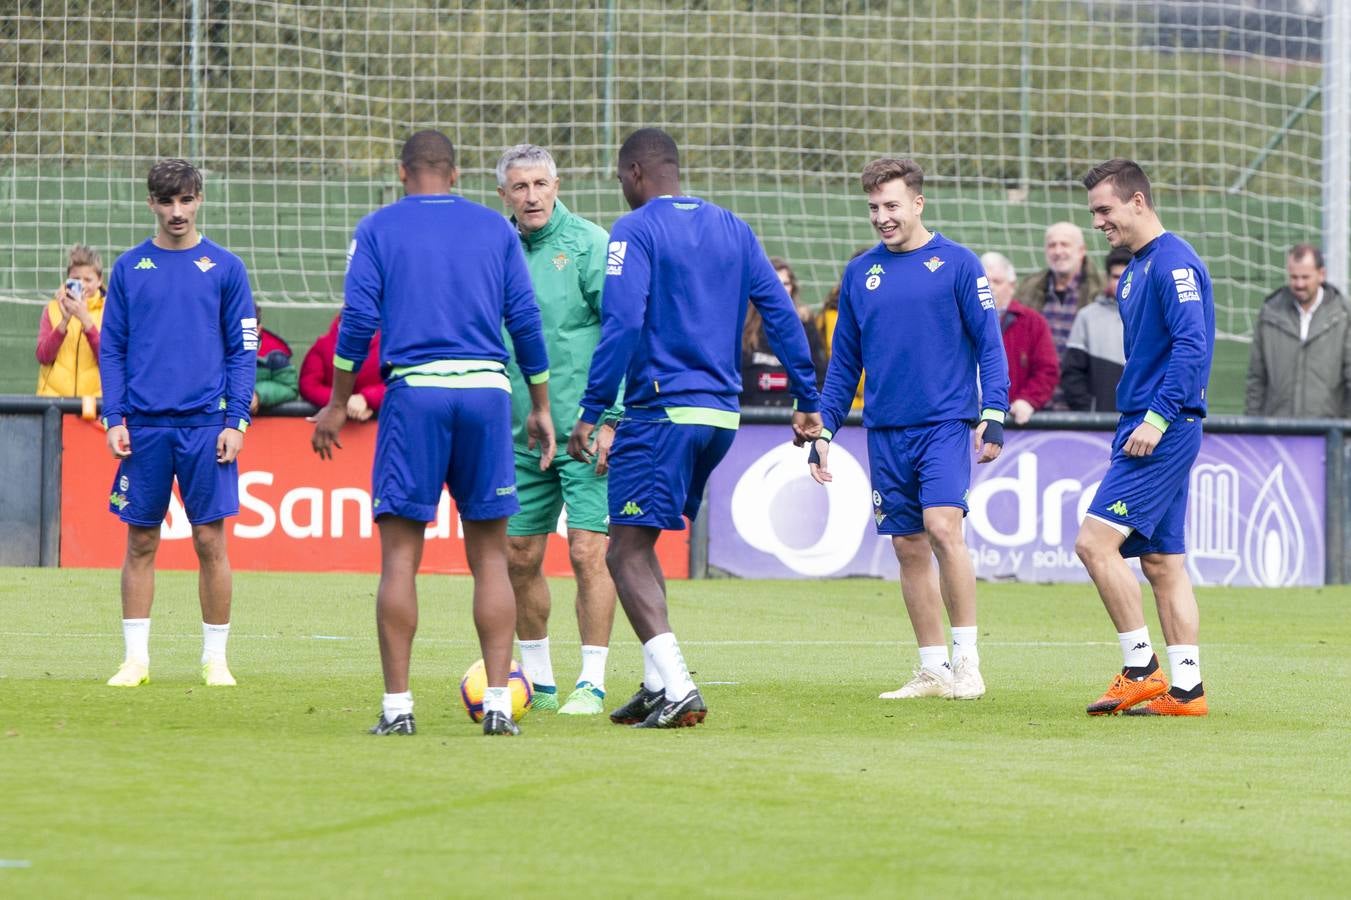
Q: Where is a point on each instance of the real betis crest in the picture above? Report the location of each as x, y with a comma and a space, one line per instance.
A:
932, 263
560, 261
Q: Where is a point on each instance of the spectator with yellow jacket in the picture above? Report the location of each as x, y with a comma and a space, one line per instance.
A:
68, 333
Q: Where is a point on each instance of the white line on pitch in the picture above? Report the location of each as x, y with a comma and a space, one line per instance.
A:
453, 641
15, 864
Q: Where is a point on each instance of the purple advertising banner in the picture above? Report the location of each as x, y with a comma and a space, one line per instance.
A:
1254, 509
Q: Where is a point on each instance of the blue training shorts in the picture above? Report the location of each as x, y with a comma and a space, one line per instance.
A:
658, 470
145, 480
915, 468
434, 436
1149, 493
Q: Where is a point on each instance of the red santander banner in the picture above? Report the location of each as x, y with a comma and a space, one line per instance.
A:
296, 512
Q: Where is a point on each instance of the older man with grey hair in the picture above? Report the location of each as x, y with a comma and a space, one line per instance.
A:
1034, 368
566, 257
1069, 282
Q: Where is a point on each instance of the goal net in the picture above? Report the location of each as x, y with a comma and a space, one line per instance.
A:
296, 111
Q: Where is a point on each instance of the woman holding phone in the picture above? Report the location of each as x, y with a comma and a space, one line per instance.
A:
68, 334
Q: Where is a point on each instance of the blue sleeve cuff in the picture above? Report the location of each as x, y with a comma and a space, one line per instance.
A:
590, 415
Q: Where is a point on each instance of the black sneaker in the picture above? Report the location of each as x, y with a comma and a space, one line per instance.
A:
639, 707
499, 723
403, 724
684, 713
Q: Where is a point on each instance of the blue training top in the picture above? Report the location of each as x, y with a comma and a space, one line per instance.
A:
437, 274
919, 322
679, 273
179, 338
1168, 310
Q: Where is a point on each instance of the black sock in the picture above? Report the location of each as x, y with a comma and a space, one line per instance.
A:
1136, 673
1188, 694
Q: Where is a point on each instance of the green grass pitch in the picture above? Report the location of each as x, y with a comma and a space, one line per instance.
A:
800, 784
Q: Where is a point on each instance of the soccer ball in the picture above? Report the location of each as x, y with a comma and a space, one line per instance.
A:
476, 679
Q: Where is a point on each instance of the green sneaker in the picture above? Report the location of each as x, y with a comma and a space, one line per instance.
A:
546, 697
586, 700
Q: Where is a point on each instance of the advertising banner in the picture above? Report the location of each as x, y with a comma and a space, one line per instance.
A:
296, 511
1255, 512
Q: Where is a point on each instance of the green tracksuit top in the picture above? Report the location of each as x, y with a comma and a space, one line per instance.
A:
566, 259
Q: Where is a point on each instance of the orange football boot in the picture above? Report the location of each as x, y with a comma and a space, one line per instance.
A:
1168, 705
1124, 692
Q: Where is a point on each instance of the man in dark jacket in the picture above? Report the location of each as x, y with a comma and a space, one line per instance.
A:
1301, 345
1067, 284
1095, 353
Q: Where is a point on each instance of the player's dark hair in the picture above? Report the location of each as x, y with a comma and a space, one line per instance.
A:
1125, 175
1118, 256
889, 168
428, 150
650, 147
173, 177
1304, 251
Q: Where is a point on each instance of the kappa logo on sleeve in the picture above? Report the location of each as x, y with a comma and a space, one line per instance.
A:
249, 327
351, 252
983, 292
1187, 289
614, 260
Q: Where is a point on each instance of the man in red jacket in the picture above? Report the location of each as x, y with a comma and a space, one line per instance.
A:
1034, 370
316, 376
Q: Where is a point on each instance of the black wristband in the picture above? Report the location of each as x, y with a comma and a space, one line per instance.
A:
994, 432
813, 457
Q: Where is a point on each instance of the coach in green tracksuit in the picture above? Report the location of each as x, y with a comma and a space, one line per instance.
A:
566, 257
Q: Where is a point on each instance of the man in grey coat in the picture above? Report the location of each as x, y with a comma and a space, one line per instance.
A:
1301, 347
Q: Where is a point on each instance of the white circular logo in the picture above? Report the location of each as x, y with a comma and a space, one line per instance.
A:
122, 483
846, 517
877, 499
872, 282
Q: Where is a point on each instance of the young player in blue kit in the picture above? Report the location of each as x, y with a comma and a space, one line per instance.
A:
916, 311
1168, 312
679, 273
437, 275
177, 361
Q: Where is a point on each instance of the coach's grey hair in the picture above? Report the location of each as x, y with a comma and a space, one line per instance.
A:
525, 155
999, 261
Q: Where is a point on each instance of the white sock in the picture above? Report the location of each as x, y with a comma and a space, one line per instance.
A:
497, 699
670, 664
136, 636
1184, 662
935, 659
1136, 651
651, 674
395, 705
535, 660
593, 665
964, 644
213, 641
